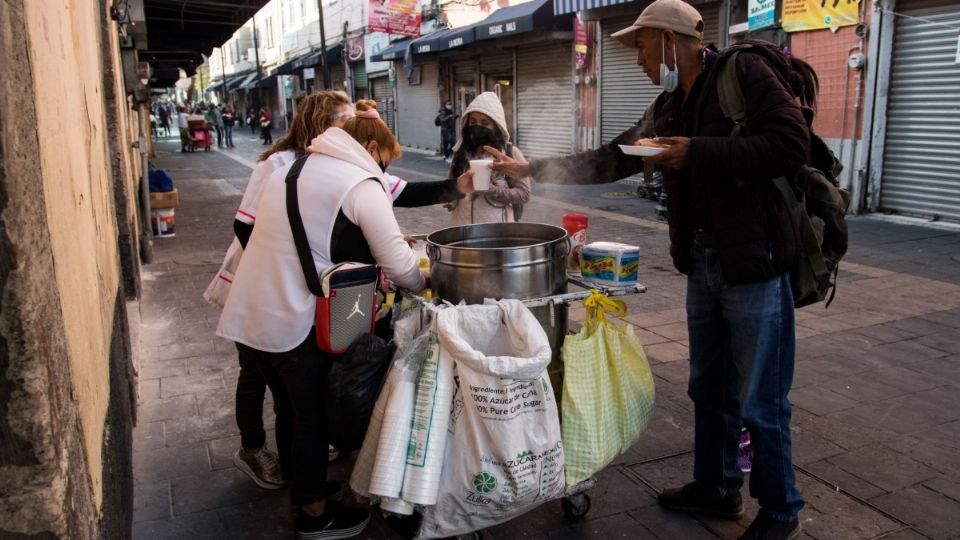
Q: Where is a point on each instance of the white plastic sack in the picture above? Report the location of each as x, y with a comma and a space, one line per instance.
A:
504, 456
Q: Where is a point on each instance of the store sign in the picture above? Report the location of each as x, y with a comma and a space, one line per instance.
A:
308, 73
400, 17
579, 43
761, 14
355, 49
801, 15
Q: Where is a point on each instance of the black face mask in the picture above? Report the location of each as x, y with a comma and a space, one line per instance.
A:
477, 136
383, 166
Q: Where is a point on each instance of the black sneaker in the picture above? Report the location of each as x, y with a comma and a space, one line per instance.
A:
344, 522
695, 499
765, 527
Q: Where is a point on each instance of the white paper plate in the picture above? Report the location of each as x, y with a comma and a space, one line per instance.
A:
632, 150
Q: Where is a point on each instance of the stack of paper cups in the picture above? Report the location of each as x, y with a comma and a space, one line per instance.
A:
360, 479
388, 470
428, 437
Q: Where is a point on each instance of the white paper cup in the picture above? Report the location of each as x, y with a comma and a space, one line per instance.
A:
481, 173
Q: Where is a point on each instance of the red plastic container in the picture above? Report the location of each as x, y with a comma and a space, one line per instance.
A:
576, 226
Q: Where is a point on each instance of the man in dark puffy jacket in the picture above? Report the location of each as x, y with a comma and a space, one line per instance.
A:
447, 121
731, 234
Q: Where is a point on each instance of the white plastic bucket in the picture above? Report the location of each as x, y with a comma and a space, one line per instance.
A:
163, 222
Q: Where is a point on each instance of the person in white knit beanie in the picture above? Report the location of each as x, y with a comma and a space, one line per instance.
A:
484, 124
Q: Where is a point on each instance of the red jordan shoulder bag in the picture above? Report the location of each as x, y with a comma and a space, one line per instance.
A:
346, 292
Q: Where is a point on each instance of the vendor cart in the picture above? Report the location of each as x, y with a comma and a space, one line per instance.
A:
200, 135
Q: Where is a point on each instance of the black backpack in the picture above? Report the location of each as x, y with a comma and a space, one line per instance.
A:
815, 199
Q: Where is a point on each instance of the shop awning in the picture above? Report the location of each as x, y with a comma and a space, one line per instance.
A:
313, 59
442, 40
179, 31
562, 7
533, 15
396, 50
291, 65
268, 81
214, 87
246, 82
234, 82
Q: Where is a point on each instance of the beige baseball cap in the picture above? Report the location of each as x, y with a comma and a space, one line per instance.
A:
675, 15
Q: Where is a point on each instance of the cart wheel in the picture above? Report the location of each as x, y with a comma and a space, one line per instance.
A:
576, 506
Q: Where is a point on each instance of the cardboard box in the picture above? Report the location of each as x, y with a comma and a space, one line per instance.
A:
164, 199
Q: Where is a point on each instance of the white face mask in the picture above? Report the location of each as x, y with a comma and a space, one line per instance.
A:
669, 78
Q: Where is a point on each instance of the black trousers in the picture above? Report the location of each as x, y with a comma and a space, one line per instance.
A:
297, 379
448, 138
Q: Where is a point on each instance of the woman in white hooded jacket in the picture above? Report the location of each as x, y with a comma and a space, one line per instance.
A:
484, 124
270, 311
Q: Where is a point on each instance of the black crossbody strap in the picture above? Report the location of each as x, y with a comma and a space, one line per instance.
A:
299, 234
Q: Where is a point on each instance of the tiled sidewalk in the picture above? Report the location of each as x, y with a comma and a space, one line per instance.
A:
876, 416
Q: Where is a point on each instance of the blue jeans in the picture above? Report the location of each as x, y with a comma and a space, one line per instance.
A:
742, 348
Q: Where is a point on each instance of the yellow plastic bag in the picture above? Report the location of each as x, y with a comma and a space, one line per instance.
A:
608, 390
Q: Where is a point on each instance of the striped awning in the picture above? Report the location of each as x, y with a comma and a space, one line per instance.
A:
561, 7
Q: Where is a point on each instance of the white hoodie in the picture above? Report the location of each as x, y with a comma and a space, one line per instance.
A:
270, 307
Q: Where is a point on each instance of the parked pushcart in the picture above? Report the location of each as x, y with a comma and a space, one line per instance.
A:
200, 135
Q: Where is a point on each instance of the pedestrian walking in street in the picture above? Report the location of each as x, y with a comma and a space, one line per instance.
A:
316, 113
216, 121
270, 312
164, 120
732, 235
265, 119
252, 120
447, 121
484, 124
228, 121
183, 125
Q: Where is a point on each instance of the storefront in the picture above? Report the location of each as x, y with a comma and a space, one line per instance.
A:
382, 93
920, 160
545, 100
417, 102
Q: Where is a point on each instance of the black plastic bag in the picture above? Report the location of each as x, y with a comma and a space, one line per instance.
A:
353, 384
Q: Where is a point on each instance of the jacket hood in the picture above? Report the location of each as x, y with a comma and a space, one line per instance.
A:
337, 143
489, 104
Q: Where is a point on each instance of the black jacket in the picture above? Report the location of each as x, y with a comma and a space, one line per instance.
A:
446, 120
754, 233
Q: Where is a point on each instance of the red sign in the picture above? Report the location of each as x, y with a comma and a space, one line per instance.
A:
580, 41
395, 17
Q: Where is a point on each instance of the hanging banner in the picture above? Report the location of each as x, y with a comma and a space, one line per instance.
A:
579, 43
761, 14
400, 17
801, 15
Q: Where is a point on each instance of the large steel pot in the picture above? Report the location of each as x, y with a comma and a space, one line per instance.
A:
503, 260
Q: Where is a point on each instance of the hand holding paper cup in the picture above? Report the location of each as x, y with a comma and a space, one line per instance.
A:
481, 173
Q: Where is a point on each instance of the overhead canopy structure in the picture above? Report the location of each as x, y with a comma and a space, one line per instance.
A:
180, 31
394, 51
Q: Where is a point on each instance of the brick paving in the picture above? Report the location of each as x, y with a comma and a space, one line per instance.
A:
876, 423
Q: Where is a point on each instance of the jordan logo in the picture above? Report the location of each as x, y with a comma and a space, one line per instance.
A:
356, 308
